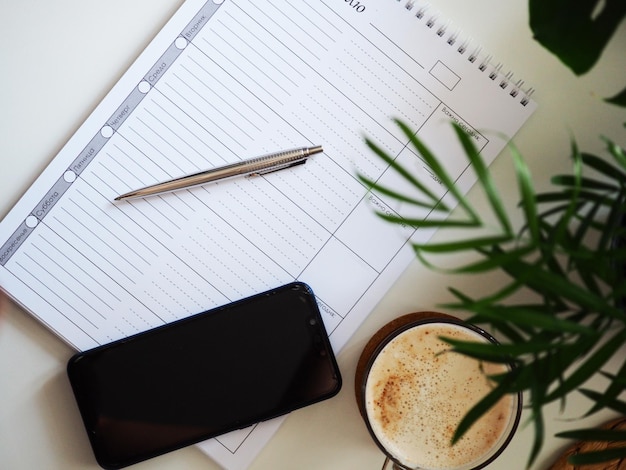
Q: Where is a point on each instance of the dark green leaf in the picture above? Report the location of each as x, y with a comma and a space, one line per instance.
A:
602, 166
484, 178
559, 232
484, 405
537, 390
587, 183
610, 230
404, 173
573, 31
498, 352
614, 404
426, 223
396, 195
470, 305
528, 202
563, 255
619, 99
618, 379
542, 371
532, 318
508, 331
491, 262
587, 458
591, 366
434, 165
462, 245
616, 152
566, 195
586, 224
548, 283
594, 435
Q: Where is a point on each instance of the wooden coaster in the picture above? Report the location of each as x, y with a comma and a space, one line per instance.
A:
562, 463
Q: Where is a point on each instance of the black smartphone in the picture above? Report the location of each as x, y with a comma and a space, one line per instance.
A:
205, 375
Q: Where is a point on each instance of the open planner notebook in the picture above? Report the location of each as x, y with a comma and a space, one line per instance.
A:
230, 80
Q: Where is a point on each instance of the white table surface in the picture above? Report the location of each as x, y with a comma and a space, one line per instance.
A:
59, 58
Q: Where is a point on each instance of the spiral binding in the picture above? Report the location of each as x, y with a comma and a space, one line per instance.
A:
494, 72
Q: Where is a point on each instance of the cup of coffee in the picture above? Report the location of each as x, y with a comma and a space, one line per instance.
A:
412, 392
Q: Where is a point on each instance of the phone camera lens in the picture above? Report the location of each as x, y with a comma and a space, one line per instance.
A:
312, 321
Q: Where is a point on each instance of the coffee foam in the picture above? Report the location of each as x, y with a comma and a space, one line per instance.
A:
416, 395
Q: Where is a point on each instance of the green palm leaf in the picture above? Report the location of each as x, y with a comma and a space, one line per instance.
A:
563, 257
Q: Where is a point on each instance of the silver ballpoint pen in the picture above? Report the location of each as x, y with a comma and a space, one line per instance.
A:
253, 167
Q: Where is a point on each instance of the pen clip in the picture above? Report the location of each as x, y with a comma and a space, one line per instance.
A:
272, 170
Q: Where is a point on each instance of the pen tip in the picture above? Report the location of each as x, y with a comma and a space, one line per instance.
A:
315, 149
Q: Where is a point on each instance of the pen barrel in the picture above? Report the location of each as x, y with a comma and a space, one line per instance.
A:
257, 165
254, 166
272, 161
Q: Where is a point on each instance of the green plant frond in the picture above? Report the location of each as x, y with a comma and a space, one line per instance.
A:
489, 262
618, 99
472, 305
618, 297
616, 378
426, 223
493, 261
405, 174
537, 391
588, 278
380, 189
566, 195
552, 284
605, 168
589, 458
612, 225
575, 255
571, 209
590, 366
539, 426
586, 224
497, 315
523, 316
543, 370
617, 152
614, 404
564, 256
437, 169
462, 245
587, 183
594, 434
529, 318
508, 332
501, 353
603, 401
484, 405
485, 180
549, 245
527, 194
481, 355
511, 331
466, 304
554, 196
615, 388
459, 295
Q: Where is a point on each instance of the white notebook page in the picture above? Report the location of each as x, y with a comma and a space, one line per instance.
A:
226, 81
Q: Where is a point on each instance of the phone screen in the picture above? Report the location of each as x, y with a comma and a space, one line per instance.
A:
205, 375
